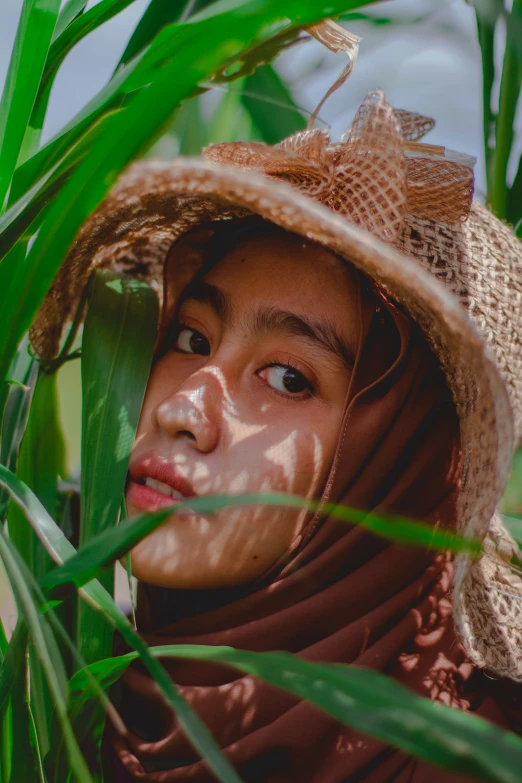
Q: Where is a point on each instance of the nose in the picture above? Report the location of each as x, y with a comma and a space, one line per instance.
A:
193, 411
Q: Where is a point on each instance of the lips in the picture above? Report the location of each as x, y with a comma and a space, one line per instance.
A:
155, 485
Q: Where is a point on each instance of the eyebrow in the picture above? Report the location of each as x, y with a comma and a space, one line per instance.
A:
322, 333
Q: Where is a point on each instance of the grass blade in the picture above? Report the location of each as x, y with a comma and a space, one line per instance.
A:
23, 761
514, 209
41, 462
10, 668
60, 550
115, 542
158, 15
118, 341
486, 33
20, 577
364, 699
11, 663
70, 11
180, 59
16, 414
389, 720
3, 642
510, 85
33, 38
73, 33
272, 125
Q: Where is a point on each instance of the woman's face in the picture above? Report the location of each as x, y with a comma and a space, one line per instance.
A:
247, 398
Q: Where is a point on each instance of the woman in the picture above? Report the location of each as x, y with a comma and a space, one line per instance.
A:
299, 353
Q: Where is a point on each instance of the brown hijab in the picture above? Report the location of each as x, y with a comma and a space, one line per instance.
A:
341, 594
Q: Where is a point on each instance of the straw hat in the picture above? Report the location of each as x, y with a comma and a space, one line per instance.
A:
402, 212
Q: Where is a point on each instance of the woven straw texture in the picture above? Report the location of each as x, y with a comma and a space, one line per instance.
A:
406, 220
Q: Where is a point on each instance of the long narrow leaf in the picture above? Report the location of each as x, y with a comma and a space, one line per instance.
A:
20, 578
273, 125
41, 459
70, 11
73, 33
3, 642
97, 707
60, 550
16, 414
390, 724
23, 760
116, 542
157, 15
510, 84
30, 51
118, 341
486, 33
41, 462
514, 213
11, 663
179, 61
364, 699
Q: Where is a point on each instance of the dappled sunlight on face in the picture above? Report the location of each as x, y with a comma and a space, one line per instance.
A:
247, 397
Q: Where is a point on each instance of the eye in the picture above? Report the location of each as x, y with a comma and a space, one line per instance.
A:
191, 341
286, 379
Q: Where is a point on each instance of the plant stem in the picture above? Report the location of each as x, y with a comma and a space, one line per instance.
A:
486, 33
509, 92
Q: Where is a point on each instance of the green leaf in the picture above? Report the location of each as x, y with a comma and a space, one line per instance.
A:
514, 525
16, 413
486, 33
12, 667
168, 72
271, 106
118, 341
26, 214
33, 38
3, 642
158, 15
12, 663
115, 542
510, 84
102, 551
23, 761
364, 699
20, 578
42, 705
60, 550
6, 744
23, 214
188, 61
73, 33
40, 463
70, 11
230, 121
514, 211
356, 16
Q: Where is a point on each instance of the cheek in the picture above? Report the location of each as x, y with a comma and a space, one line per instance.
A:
283, 458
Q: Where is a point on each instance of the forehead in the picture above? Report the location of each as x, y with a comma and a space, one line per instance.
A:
288, 271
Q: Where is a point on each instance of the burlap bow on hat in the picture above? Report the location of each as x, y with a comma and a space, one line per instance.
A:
402, 213
374, 177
